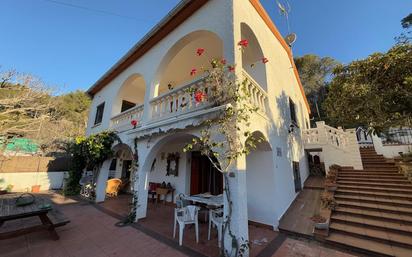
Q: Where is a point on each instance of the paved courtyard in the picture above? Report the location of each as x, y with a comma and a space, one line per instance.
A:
93, 232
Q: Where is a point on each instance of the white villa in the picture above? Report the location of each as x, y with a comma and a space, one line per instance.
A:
148, 85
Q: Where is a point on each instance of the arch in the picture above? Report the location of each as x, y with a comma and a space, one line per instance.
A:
175, 67
260, 181
123, 151
252, 56
170, 139
131, 93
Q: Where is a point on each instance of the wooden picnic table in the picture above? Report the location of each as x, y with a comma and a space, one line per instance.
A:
49, 217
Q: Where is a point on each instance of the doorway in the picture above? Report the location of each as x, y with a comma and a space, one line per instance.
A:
204, 176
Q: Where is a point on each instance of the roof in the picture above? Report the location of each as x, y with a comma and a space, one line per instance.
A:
173, 19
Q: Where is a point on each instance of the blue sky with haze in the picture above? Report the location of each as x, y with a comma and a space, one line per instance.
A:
72, 47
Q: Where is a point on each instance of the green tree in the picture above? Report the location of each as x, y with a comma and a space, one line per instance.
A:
374, 92
315, 73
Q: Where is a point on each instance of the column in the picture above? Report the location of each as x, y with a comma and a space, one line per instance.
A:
238, 195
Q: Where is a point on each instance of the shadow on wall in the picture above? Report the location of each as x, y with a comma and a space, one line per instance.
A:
33, 173
286, 149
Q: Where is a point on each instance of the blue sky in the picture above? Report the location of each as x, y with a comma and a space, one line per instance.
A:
72, 47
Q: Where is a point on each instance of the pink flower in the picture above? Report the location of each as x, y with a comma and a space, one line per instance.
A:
200, 51
193, 72
199, 95
243, 43
265, 60
134, 123
223, 61
232, 68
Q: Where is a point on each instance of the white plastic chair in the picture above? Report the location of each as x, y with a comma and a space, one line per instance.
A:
216, 218
183, 217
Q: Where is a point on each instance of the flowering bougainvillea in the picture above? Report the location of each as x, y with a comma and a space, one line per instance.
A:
200, 51
134, 123
233, 122
199, 96
243, 43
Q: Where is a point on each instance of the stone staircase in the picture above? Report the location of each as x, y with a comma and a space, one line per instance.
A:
374, 213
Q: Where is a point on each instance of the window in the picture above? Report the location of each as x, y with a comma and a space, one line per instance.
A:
292, 108
99, 114
296, 177
126, 105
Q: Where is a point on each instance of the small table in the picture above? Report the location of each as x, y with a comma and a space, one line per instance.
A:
214, 200
9, 211
164, 191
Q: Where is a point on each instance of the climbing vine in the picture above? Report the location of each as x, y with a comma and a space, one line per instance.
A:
87, 152
227, 137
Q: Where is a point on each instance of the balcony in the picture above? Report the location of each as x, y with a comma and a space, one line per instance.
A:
122, 121
181, 101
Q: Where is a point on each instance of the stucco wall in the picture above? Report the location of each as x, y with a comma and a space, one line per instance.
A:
23, 181
260, 182
389, 151
215, 16
158, 175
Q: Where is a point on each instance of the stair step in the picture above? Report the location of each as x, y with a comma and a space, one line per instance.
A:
376, 179
369, 173
394, 227
371, 176
375, 215
375, 194
389, 237
375, 200
367, 246
375, 184
376, 189
380, 168
375, 207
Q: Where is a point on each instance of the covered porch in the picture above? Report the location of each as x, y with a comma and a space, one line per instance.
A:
159, 223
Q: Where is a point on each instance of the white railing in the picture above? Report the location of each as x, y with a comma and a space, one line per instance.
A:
311, 136
180, 100
125, 118
336, 137
325, 134
258, 96
338, 146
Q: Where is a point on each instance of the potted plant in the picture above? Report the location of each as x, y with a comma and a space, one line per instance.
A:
331, 186
9, 188
328, 201
320, 222
35, 188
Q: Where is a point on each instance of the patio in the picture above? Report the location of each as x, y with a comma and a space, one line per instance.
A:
160, 220
93, 232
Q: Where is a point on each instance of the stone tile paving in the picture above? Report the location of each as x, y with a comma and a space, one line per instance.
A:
93, 233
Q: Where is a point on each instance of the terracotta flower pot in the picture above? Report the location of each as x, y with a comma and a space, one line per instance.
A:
35, 188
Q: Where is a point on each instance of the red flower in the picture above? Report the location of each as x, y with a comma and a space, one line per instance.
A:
223, 61
232, 68
193, 72
199, 95
134, 123
200, 51
243, 43
265, 60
